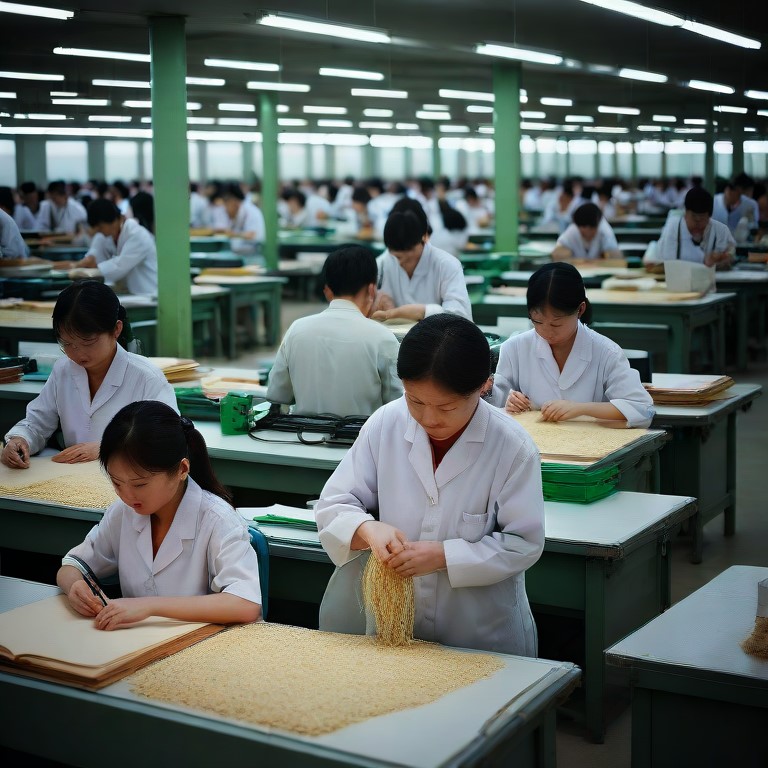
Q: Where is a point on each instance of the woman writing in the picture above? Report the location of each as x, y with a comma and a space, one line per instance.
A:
88, 386
457, 488
180, 549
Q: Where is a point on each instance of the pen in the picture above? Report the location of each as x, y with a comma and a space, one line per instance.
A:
96, 591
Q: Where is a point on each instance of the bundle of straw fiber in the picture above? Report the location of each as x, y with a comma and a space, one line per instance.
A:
389, 598
757, 643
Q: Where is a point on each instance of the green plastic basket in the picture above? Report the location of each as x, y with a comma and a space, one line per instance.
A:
564, 482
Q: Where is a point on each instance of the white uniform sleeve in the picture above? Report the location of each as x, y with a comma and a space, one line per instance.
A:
254, 222
624, 391
133, 253
505, 377
101, 547
519, 540
101, 249
666, 247
453, 290
391, 386
42, 417
571, 240
723, 240
280, 389
608, 237
12, 245
233, 566
158, 388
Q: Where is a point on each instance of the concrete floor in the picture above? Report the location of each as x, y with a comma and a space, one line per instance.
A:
748, 547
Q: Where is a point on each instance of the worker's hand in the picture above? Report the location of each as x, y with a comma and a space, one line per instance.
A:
122, 612
718, 259
83, 600
383, 539
517, 402
16, 453
78, 453
561, 410
417, 558
382, 302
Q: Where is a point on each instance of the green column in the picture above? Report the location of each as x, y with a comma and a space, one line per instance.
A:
566, 157
330, 162
663, 158
141, 172
506, 126
437, 166
170, 174
269, 182
709, 159
634, 162
408, 162
97, 165
737, 132
369, 161
31, 162
247, 157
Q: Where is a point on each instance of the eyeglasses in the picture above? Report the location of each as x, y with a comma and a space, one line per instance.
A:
68, 346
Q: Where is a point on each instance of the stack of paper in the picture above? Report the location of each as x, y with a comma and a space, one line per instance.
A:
11, 374
682, 389
176, 369
284, 525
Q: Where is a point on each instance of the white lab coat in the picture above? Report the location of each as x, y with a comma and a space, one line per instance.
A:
597, 371
134, 262
198, 210
65, 400
337, 361
206, 550
604, 240
66, 219
438, 282
676, 242
484, 502
24, 218
249, 218
12, 245
747, 209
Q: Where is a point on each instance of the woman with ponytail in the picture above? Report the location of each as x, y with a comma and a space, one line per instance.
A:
90, 384
179, 548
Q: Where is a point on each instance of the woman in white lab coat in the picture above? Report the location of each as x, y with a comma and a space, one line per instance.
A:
88, 386
445, 488
561, 366
180, 549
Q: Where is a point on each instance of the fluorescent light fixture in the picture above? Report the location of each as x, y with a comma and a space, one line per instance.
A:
378, 112
423, 114
122, 83
255, 66
694, 121
64, 94
601, 69
34, 10
354, 74
550, 101
375, 125
406, 127
7, 95
93, 53
703, 85
747, 129
212, 81
536, 126
379, 93
756, 94
664, 119
689, 130
197, 120
485, 129
650, 128
533, 114
196, 135
451, 93
334, 123
618, 110
283, 108
732, 110
146, 119
260, 85
639, 74
518, 54
324, 110
762, 112
401, 142
295, 122
479, 109
297, 24
192, 106
241, 121
579, 119
31, 76
604, 129
230, 107
82, 102
454, 128
720, 34
109, 118
42, 116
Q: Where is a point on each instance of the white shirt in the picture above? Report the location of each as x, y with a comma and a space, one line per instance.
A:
554, 215
474, 214
198, 210
12, 245
484, 502
604, 240
24, 218
676, 242
337, 361
135, 260
67, 219
65, 400
596, 371
747, 208
437, 282
249, 218
207, 550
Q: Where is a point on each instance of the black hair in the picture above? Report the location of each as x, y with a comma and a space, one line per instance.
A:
232, 190
470, 193
153, 437
426, 183
587, 215
6, 200
453, 220
88, 307
742, 181
122, 189
143, 208
568, 188
102, 211
349, 270
698, 200
375, 183
28, 186
57, 188
295, 194
361, 195
404, 230
448, 349
560, 286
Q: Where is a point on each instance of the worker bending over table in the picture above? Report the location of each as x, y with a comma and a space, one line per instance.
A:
589, 236
561, 366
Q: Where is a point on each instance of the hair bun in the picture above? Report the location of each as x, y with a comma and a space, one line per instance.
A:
187, 424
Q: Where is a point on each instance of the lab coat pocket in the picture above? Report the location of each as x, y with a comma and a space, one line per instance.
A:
473, 527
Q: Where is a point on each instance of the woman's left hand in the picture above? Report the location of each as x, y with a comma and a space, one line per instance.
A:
122, 612
80, 452
418, 558
560, 410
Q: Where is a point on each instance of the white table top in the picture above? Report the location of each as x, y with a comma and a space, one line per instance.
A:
703, 631
710, 298
738, 395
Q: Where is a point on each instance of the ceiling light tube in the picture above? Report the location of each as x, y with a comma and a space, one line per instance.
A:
454, 128
378, 112
550, 101
82, 102
35, 10
211, 81
294, 122
191, 120
379, 93
374, 125
109, 118
639, 74
518, 54
579, 119
732, 110
407, 126
230, 107
618, 110
694, 121
638, 11
479, 109
256, 66
315, 110
664, 119
762, 112
122, 83
334, 123
434, 107
604, 129
756, 94
93, 53
452, 93
7, 95
242, 121
31, 76
703, 85
298, 24
259, 85
533, 114
354, 74
425, 115
41, 116
720, 34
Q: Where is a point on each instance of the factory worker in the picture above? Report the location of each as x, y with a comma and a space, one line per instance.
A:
732, 205
590, 236
60, 214
12, 245
246, 221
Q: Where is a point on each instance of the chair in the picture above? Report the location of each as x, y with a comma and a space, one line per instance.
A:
261, 545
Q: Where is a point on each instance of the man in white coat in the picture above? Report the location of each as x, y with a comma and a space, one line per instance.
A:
339, 361
590, 236
60, 214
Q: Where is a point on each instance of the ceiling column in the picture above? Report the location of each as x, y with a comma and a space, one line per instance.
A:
709, 158
737, 133
634, 162
97, 166
506, 131
247, 160
663, 158
269, 181
437, 166
170, 174
30, 161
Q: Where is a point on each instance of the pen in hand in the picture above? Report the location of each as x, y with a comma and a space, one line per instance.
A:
517, 402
